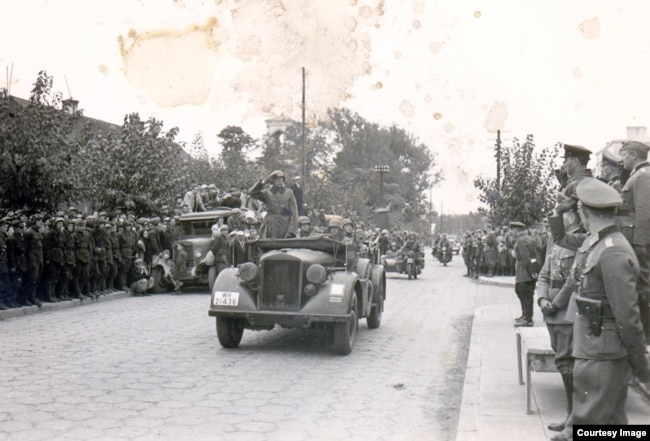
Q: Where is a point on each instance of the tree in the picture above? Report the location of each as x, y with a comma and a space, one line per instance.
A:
38, 150
528, 181
235, 170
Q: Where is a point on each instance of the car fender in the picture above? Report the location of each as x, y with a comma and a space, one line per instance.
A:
378, 279
335, 296
228, 281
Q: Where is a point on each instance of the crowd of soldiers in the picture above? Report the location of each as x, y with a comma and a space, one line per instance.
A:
51, 258
590, 275
490, 251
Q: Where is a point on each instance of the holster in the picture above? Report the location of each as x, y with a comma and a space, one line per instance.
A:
593, 311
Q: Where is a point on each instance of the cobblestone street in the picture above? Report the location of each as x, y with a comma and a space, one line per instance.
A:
152, 368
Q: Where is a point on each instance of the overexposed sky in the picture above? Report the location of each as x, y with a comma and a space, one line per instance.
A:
449, 72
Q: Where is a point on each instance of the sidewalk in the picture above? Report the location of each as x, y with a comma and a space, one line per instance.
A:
47, 307
494, 403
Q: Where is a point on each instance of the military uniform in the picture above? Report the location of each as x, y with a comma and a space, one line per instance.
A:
550, 286
633, 217
524, 280
608, 342
281, 219
34, 253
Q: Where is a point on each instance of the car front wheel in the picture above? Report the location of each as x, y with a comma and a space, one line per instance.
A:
229, 331
159, 283
345, 333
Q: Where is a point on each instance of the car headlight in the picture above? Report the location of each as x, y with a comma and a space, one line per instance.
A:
316, 274
198, 253
310, 289
248, 272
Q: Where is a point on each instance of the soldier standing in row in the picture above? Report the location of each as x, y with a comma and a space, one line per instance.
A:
633, 217
34, 252
53, 251
609, 342
553, 296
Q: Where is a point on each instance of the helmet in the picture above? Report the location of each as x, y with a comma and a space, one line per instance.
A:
276, 174
345, 222
334, 223
303, 220
384, 231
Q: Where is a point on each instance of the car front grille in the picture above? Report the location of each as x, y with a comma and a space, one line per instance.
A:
281, 285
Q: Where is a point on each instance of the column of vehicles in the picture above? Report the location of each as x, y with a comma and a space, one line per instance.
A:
310, 283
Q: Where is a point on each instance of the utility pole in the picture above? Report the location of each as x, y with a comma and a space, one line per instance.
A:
304, 159
442, 210
498, 155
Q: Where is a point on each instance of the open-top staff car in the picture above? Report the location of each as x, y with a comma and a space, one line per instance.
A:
196, 239
314, 282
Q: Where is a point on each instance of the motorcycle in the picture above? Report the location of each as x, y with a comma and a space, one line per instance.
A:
444, 255
412, 265
409, 264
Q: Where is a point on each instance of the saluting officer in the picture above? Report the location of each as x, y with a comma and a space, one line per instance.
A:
281, 220
608, 341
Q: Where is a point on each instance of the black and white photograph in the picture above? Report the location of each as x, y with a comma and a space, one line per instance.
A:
295, 220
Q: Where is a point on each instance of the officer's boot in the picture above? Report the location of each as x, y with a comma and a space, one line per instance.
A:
567, 379
49, 292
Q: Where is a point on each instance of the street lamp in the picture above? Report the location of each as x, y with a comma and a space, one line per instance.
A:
381, 169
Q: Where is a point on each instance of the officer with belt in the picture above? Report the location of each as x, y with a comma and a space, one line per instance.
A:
633, 217
553, 301
608, 338
281, 220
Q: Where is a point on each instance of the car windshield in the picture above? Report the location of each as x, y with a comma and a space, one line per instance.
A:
198, 228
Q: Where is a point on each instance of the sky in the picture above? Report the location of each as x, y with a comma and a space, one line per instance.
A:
449, 72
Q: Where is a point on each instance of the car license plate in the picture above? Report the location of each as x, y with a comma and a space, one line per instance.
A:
225, 298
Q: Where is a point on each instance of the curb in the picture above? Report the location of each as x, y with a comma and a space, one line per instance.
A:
497, 281
67, 304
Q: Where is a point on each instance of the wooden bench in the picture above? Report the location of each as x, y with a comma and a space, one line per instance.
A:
535, 343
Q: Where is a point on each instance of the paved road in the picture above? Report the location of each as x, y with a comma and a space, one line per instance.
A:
152, 368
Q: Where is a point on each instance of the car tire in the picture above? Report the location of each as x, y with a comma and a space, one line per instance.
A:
229, 331
159, 284
374, 318
345, 333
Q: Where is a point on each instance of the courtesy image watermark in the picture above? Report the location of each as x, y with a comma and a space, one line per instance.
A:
641, 431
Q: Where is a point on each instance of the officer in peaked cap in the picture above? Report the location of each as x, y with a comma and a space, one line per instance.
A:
576, 151
608, 338
610, 169
575, 166
633, 217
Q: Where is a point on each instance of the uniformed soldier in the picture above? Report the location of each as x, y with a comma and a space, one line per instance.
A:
348, 230
281, 219
575, 166
66, 282
17, 261
34, 253
553, 299
4, 267
524, 274
334, 229
610, 169
633, 217
53, 252
608, 342
84, 254
304, 227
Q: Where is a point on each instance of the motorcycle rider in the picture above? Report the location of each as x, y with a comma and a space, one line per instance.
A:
443, 244
412, 246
